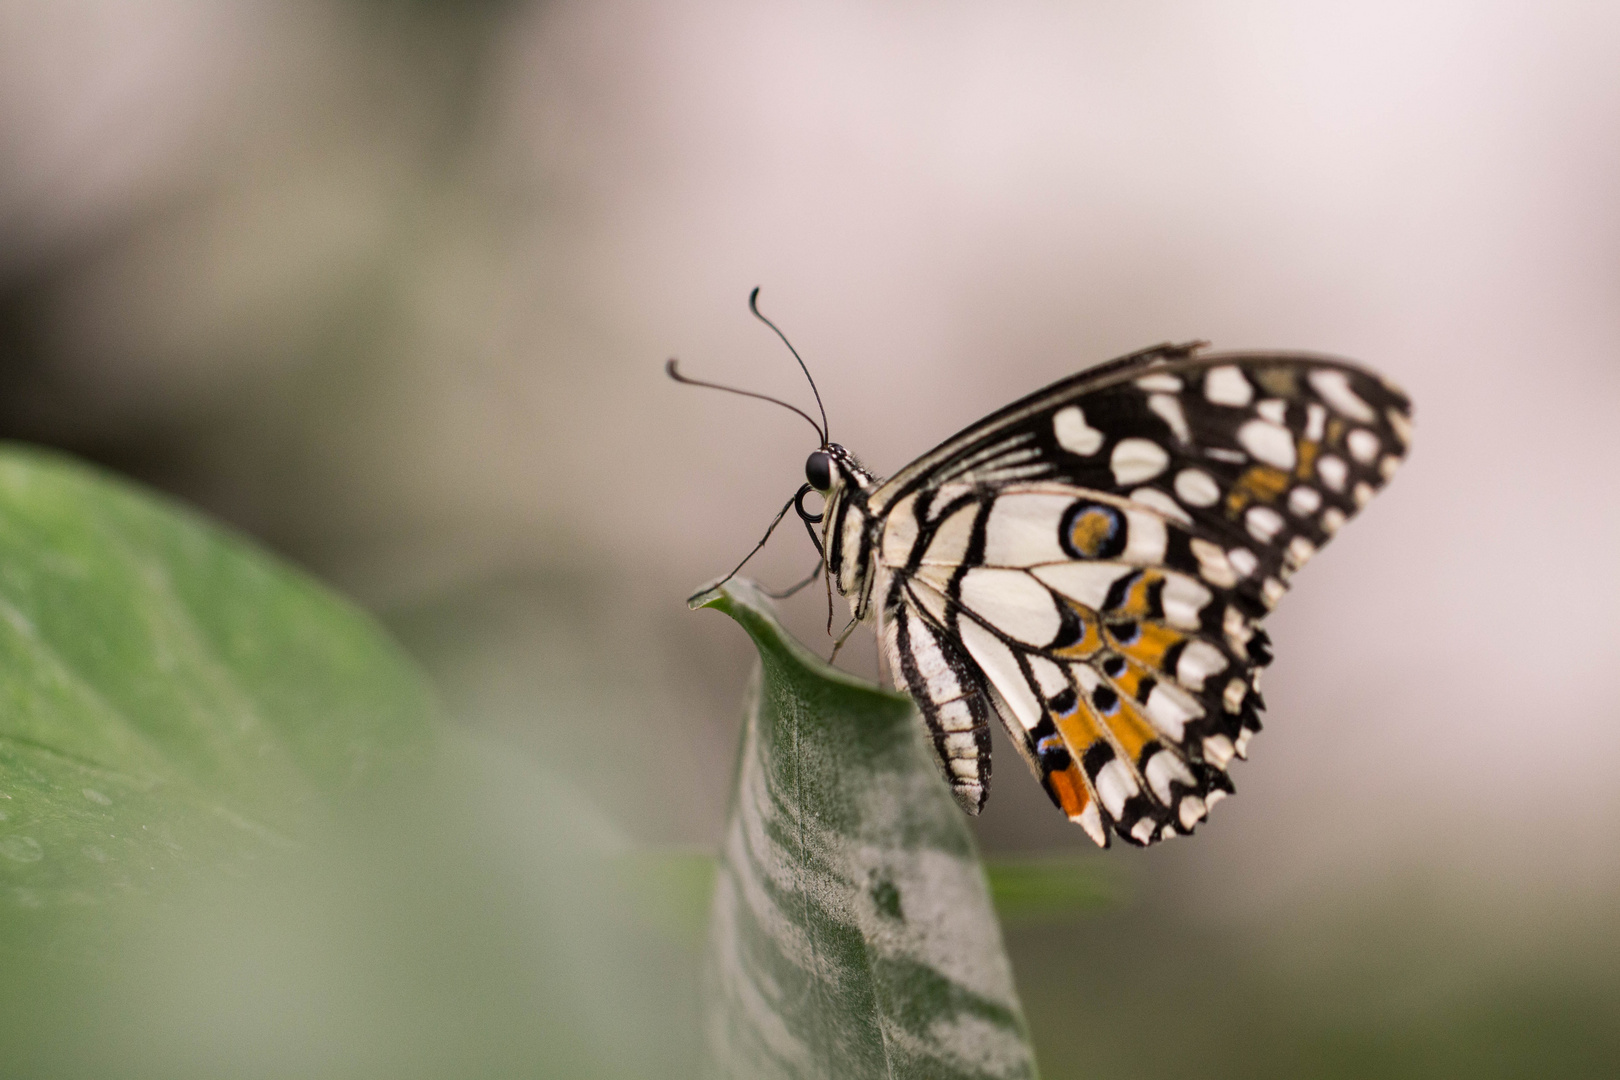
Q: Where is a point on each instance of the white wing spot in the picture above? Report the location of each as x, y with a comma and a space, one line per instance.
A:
1236, 628
1387, 466
1074, 434
1243, 561
1232, 698
1048, 676
1160, 381
1304, 501
1333, 471
1195, 487
1090, 819
1183, 600
1273, 409
1169, 410
1086, 583
1135, 460
1227, 386
1334, 386
1263, 523
1213, 566
1218, 752
1115, 785
998, 663
1363, 494
1145, 539
1085, 677
1364, 445
1170, 708
1271, 591
1162, 768
1315, 421
1332, 520
1268, 442
1199, 660
1012, 602
1300, 550
1401, 424
1161, 502
1192, 809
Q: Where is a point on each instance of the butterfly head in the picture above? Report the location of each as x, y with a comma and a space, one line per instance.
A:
834, 467
818, 470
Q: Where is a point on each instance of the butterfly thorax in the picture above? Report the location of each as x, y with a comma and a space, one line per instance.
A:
848, 529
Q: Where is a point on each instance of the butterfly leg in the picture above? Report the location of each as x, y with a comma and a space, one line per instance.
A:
777, 520
843, 636
791, 589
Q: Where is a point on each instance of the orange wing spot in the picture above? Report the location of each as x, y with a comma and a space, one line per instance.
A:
1069, 788
1307, 459
1079, 729
1261, 483
1335, 432
1152, 640
1083, 727
1277, 381
1131, 730
1135, 603
1091, 638
1093, 528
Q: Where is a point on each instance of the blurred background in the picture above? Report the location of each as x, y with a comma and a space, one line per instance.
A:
388, 285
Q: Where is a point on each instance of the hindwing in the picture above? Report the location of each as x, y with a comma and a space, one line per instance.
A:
1092, 563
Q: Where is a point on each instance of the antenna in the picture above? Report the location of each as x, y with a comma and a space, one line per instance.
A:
673, 372
753, 305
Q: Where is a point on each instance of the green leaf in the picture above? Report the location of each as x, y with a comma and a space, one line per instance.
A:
852, 933
1050, 888
172, 701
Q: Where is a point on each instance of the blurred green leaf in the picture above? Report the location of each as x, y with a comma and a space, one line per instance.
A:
852, 933
1044, 888
172, 701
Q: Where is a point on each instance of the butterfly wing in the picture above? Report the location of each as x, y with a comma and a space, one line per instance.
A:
1092, 564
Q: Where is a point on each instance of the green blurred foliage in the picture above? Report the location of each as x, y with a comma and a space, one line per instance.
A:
1412, 982
1050, 888
235, 841
172, 702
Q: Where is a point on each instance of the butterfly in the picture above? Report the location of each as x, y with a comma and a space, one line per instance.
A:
1090, 567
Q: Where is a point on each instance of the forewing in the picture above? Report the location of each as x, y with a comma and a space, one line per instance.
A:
1265, 456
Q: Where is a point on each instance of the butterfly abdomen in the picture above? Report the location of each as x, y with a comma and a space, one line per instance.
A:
946, 687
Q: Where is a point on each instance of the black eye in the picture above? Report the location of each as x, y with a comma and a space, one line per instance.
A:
818, 470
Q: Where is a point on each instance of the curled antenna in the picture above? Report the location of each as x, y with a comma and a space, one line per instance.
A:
753, 305
673, 372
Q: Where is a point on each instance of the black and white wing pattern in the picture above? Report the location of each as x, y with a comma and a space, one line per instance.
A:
1091, 565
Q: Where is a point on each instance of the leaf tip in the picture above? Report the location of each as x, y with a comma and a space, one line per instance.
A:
710, 595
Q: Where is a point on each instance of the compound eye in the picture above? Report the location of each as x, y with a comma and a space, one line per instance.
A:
818, 470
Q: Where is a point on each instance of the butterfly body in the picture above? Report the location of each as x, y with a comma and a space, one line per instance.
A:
1089, 567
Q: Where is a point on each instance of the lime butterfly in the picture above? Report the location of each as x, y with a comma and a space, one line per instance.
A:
1090, 566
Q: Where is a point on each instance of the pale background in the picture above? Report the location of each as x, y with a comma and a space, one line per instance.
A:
390, 286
